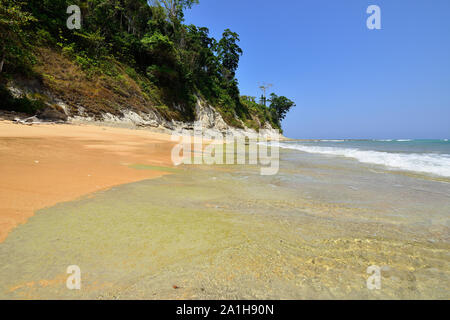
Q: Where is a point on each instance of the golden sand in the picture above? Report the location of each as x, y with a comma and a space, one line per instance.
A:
42, 165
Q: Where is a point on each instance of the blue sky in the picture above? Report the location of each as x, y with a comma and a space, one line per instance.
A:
348, 81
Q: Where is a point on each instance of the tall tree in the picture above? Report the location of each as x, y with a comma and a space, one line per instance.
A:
175, 8
229, 53
280, 105
12, 21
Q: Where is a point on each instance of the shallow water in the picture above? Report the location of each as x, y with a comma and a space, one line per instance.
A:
226, 232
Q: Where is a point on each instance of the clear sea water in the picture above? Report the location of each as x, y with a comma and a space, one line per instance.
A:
423, 156
227, 232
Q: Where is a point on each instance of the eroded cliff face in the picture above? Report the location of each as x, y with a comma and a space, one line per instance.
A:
206, 116
67, 93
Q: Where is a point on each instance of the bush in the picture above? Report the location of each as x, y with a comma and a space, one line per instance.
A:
263, 113
43, 37
25, 105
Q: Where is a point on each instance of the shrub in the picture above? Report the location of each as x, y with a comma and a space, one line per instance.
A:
25, 105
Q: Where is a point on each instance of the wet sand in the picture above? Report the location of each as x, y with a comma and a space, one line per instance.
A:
43, 165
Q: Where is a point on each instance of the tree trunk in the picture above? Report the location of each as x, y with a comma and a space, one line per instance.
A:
2, 62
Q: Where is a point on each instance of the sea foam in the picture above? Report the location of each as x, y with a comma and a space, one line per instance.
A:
436, 164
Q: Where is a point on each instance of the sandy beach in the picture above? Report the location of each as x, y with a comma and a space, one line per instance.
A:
101, 198
43, 165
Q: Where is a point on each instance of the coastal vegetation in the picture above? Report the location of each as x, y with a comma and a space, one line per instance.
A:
131, 53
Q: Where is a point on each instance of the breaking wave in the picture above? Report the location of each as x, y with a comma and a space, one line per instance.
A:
437, 164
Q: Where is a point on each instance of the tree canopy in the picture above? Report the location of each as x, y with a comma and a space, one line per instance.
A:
183, 61
280, 105
175, 8
14, 39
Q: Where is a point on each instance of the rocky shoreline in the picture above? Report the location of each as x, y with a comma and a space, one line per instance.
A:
58, 111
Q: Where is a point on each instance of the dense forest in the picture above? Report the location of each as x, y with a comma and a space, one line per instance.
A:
137, 44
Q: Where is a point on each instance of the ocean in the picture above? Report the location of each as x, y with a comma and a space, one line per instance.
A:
422, 156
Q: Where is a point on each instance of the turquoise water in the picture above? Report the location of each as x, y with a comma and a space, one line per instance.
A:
422, 156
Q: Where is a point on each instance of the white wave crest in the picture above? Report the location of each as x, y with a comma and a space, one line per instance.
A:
437, 164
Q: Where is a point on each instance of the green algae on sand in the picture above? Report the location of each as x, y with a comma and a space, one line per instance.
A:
153, 168
222, 232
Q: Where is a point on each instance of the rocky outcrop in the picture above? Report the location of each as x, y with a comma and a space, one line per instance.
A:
52, 113
209, 117
206, 115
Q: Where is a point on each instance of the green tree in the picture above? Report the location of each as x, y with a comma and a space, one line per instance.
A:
175, 8
229, 53
13, 37
198, 54
173, 63
280, 106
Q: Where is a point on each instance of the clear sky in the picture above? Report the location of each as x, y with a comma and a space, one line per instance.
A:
348, 81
